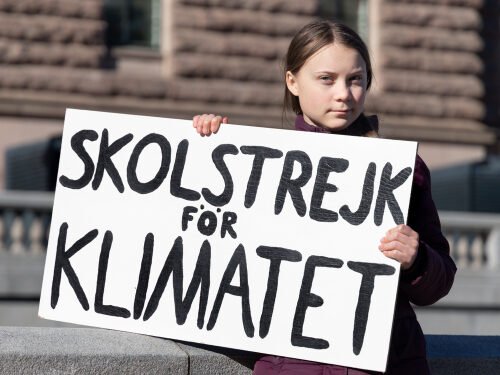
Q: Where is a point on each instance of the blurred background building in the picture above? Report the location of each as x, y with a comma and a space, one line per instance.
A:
437, 81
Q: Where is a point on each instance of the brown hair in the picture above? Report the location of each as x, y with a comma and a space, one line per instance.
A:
309, 40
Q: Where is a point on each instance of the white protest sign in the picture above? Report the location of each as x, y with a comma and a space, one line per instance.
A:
257, 239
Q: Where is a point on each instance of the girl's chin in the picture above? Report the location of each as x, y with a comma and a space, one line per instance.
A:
331, 124
336, 125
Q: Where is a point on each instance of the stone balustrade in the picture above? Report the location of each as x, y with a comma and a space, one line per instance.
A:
474, 239
25, 218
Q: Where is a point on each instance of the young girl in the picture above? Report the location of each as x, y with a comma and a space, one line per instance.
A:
327, 75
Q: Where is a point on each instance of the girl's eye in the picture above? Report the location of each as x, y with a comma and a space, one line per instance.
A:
357, 78
326, 79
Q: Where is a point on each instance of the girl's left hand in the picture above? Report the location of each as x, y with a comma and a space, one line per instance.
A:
400, 243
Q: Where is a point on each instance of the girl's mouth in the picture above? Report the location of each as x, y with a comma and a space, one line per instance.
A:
341, 112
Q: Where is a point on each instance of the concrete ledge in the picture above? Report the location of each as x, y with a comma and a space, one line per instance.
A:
27, 350
210, 360
87, 351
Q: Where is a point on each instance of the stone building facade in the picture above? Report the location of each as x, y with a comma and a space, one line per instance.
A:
436, 67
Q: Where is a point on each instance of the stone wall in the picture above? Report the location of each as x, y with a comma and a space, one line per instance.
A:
491, 57
53, 55
431, 67
226, 57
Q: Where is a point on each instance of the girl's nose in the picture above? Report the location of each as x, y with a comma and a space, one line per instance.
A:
342, 91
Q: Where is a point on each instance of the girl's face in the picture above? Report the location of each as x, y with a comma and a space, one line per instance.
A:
331, 87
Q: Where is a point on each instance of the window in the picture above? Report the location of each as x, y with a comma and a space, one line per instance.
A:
133, 22
353, 13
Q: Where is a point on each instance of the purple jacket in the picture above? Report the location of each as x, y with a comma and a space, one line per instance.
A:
429, 279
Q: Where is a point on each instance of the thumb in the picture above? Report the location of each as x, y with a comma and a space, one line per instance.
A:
224, 120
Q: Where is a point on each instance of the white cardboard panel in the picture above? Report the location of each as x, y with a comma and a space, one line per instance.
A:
321, 291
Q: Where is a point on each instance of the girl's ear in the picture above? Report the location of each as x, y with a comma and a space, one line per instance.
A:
291, 83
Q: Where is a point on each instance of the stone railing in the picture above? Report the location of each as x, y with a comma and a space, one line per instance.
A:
25, 218
474, 238
98, 351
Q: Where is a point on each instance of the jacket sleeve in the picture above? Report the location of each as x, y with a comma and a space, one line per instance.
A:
431, 276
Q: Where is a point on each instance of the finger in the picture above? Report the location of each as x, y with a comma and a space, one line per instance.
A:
224, 121
199, 123
401, 238
404, 229
398, 237
404, 253
206, 124
406, 260
394, 254
390, 246
215, 124
195, 121
404, 235
394, 236
409, 245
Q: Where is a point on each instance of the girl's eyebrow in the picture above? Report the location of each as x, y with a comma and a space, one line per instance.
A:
326, 72
354, 71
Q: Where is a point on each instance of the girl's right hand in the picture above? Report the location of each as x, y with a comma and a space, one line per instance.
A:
208, 124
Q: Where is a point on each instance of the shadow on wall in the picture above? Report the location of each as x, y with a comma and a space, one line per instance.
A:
33, 166
468, 187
